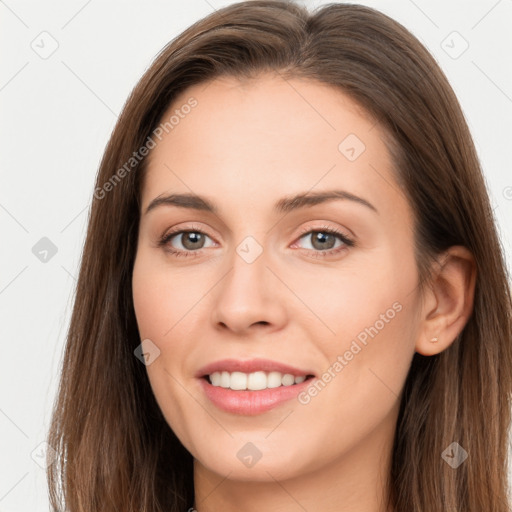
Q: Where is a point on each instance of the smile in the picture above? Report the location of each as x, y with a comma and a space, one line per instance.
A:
254, 381
250, 402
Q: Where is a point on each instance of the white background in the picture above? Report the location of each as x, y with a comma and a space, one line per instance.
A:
57, 114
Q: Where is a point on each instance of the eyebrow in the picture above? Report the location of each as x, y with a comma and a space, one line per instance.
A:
284, 205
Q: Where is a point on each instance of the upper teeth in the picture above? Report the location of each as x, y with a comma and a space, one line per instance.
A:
253, 381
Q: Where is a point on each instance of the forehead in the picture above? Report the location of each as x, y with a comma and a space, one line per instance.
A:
249, 140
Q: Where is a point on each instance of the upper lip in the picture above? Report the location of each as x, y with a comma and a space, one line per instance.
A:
250, 366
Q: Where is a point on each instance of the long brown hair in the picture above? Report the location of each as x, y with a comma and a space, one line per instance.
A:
116, 451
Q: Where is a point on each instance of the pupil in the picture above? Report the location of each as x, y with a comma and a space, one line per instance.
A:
321, 238
192, 240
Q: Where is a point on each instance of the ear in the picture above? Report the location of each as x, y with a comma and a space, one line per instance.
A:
448, 302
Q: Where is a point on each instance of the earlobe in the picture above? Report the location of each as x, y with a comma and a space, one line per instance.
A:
449, 301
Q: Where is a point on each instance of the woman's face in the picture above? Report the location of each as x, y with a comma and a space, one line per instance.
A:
261, 276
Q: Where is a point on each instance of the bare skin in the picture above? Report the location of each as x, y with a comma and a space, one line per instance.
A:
244, 147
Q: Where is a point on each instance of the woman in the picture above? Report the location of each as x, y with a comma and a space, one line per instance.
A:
292, 293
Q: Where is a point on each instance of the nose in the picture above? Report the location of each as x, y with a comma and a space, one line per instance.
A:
249, 298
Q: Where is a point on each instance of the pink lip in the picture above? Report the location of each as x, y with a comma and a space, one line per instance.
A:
252, 365
250, 403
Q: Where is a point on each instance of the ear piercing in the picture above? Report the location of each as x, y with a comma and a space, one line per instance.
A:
434, 340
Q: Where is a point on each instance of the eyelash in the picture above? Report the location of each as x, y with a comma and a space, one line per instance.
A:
348, 242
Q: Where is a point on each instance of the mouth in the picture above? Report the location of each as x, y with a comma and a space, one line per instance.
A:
255, 381
250, 387
250, 394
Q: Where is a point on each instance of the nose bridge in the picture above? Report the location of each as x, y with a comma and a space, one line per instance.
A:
247, 294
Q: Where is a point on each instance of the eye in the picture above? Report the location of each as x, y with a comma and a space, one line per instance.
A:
184, 242
326, 241
323, 241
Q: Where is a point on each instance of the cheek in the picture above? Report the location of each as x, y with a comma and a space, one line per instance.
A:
366, 294
160, 304
369, 314
373, 315
161, 297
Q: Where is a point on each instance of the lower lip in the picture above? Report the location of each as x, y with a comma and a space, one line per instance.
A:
250, 403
